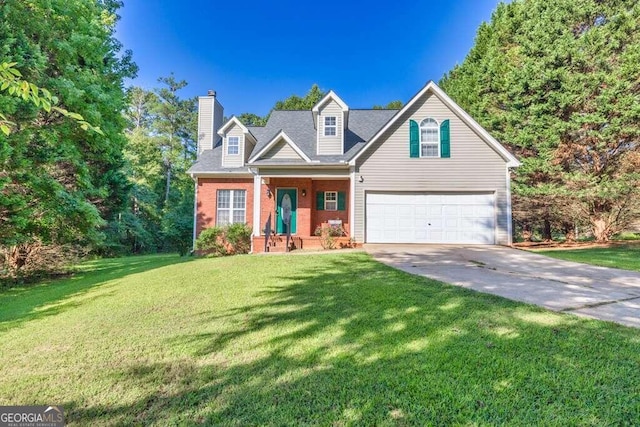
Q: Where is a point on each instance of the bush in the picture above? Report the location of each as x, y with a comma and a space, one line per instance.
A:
238, 236
328, 234
227, 240
210, 240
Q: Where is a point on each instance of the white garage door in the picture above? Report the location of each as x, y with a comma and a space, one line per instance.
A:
430, 218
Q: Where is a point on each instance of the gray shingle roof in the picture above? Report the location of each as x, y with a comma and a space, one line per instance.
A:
299, 126
211, 161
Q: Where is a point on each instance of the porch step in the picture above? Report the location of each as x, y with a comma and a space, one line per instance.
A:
278, 243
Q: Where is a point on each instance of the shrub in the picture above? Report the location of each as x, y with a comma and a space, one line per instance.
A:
211, 240
227, 240
328, 234
238, 237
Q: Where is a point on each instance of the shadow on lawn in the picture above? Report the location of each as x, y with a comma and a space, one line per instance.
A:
21, 304
360, 343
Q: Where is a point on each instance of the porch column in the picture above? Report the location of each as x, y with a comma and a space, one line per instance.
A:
352, 203
257, 185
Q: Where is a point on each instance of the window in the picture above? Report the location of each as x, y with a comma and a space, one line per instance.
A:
231, 207
233, 145
429, 138
330, 200
330, 126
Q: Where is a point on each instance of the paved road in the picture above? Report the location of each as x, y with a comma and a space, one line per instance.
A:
598, 292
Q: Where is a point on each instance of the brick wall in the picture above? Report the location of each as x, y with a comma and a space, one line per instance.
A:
305, 203
320, 217
207, 199
308, 218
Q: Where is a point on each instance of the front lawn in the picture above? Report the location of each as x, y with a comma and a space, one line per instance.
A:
333, 339
626, 256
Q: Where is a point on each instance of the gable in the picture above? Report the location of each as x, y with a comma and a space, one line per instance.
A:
281, 150
330, 144
432, 90
467, 147
234, 160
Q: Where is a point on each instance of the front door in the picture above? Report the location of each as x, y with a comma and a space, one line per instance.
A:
286, 210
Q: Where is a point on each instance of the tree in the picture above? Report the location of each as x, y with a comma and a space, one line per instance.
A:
294, 102
393, 105
250, 119
160, 147
58, 182
558, 83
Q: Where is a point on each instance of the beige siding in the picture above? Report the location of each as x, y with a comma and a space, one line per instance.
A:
473, 167
281, 150
248, 149
230, 161
218, 116
205, 123
330, 144
305, 172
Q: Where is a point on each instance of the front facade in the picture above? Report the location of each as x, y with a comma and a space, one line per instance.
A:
427, 173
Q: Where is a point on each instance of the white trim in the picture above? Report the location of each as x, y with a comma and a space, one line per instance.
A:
231, 121
231, 208
195, 211
219, 174
325, 201
274, 140
334, 126
352, 204
257, 186
466, 118
509, 212
227, 147
330, 95
438, 141
345, 112
313, 177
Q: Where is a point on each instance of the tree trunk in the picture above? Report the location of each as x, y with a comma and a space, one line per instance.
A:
168, 184
601, 230
18, 257
546, 230
569, 231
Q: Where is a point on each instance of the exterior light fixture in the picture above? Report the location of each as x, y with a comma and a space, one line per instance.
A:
268, 192
304, 192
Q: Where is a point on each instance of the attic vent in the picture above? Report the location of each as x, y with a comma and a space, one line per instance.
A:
211, 93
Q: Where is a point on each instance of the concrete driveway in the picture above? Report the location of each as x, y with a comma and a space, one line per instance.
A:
598, 292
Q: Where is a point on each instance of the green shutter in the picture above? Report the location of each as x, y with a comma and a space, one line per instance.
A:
342, 198
445, 140
414, 139
320, 200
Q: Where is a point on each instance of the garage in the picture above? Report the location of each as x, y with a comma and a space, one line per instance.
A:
430, 218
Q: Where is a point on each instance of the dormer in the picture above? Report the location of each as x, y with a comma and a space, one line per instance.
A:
330, 116
237, 143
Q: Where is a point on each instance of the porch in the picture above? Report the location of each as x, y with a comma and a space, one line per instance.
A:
310, 204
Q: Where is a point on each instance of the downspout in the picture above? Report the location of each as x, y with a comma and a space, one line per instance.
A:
509, 214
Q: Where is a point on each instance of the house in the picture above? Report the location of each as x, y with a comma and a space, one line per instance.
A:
427, 173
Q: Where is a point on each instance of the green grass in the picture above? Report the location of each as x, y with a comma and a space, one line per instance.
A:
626, 257
333, 339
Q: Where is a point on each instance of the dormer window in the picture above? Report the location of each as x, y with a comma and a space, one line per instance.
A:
233, 145
429, 138
330, 126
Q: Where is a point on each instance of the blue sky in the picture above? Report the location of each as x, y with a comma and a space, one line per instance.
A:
254, 53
